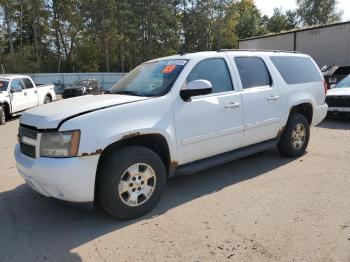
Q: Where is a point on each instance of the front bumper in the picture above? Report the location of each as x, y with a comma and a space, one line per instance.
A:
339, 112
69, 179
339, 109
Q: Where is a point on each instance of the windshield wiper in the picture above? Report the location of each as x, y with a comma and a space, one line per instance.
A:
127, 92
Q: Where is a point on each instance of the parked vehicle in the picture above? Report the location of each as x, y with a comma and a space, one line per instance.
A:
19, 93
338, 98
83, 87
170, 116
333, 74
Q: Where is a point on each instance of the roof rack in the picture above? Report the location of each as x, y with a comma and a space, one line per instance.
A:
259, 50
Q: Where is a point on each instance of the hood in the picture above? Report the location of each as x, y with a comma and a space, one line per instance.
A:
342, 91
49, 116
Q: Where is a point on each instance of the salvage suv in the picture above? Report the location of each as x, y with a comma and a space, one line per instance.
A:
170, 116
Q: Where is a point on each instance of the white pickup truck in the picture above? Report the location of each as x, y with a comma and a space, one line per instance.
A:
170, 116
19, 93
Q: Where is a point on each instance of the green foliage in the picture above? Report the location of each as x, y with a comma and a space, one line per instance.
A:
318, 12
278, 21
117, 35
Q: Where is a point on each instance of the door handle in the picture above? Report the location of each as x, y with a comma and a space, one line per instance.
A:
35, 92
273, 98
232, 105
25, 93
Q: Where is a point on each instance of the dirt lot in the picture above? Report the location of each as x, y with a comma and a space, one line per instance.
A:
261, 208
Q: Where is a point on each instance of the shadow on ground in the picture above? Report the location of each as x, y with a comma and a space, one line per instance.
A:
34, 228
335, 123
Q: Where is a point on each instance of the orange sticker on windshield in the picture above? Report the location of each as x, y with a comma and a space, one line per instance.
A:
168, 69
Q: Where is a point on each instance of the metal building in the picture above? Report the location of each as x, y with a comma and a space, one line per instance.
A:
329, 44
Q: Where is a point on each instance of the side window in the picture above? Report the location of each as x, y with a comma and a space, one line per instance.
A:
253, 72
214, 70
28, 84
296, 70
17, 85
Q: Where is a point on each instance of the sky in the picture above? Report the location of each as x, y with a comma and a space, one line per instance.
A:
266, 6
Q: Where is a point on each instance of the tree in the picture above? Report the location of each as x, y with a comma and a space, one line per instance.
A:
318, 12
292, 19
277, 22
250, 22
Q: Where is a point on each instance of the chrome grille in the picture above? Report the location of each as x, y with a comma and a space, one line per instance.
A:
28, 134
338, 101
28, 150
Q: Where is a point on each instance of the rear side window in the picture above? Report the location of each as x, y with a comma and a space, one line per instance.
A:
27, 83
214, 70
296, 70
253, 72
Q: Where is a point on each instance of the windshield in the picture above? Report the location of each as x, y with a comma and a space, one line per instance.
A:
3, 85
344, 83
150, 79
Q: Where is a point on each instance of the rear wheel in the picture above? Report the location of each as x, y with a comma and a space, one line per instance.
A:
2, 115
131, 182
47, 100
295, 138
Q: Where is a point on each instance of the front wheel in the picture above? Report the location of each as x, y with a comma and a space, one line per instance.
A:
295, 138
131, 182
2, 116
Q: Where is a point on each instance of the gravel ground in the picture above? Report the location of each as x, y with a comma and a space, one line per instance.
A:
261, 208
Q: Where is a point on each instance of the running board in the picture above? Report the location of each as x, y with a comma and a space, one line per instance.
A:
221, 159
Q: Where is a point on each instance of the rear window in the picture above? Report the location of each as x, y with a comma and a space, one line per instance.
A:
28, 83
253, 72
296, 70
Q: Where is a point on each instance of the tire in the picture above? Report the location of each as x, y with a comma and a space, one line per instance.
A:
47, 100
2, 116
295, 138
115, 176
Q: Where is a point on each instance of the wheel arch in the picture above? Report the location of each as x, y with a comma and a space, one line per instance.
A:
305, 109
48, 95
154, 141
7, 108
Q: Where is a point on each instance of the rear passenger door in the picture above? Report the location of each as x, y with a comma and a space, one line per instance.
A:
261, 100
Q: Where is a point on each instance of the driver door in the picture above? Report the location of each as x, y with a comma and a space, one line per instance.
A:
18, 96
211, 124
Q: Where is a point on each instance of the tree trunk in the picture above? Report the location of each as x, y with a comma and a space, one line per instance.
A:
35, 31
57, 36
9, 31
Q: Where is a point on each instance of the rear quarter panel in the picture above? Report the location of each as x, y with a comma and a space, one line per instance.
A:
292, 95
45, 90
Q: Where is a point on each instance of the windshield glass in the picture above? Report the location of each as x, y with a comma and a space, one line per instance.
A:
344, 83
150, 79
3, 85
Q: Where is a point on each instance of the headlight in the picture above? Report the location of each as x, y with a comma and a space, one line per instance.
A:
60, 144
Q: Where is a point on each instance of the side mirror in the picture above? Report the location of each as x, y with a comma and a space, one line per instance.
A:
196, 88
12, 90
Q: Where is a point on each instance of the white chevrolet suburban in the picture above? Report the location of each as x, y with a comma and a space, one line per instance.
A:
19, 92
170, 116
